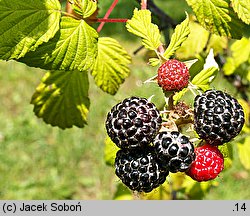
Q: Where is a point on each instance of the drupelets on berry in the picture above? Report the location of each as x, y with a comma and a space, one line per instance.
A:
133, 123
173, 75
174, 151
218, 117
208, 164
139, 170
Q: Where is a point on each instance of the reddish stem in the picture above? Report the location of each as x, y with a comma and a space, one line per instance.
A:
144, 4
107, 15
111, 20
161, 49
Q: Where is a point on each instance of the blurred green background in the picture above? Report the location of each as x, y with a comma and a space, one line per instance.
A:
38, 161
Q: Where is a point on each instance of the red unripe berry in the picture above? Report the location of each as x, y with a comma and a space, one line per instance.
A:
209, 162
173, 75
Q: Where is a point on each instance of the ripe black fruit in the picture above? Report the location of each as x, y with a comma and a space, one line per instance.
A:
174, 151
133, 123
218, 117
139, 169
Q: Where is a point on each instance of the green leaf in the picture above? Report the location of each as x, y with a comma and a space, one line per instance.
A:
227, 152
84, 8
122, 192
24, 25
204, 78
110, 151
154, 62
190, 63
246, 109
163, 192
240, 54
217, 43
217, 17
88, 7
111, 66
195, 42
73, 48
76, 6
141, 25
230, 66
242, 8
244, 152
61, 99
198, 40
181, 33
197, 190
207, 75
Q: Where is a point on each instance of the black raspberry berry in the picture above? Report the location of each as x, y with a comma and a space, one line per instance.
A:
218, 117
173, 75
208, 164
132, 123
174, 151
139, 170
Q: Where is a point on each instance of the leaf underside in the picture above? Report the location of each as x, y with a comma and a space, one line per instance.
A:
61, 99
88, 7
111, 67
24, 25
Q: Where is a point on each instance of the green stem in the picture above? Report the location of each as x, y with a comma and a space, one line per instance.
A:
169, 100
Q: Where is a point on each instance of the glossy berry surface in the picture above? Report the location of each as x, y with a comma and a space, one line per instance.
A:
208, 164
173, 75
133, 123
174, 150
139, 170
218, 117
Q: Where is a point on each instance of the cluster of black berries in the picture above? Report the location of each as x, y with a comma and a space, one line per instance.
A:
146, 155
